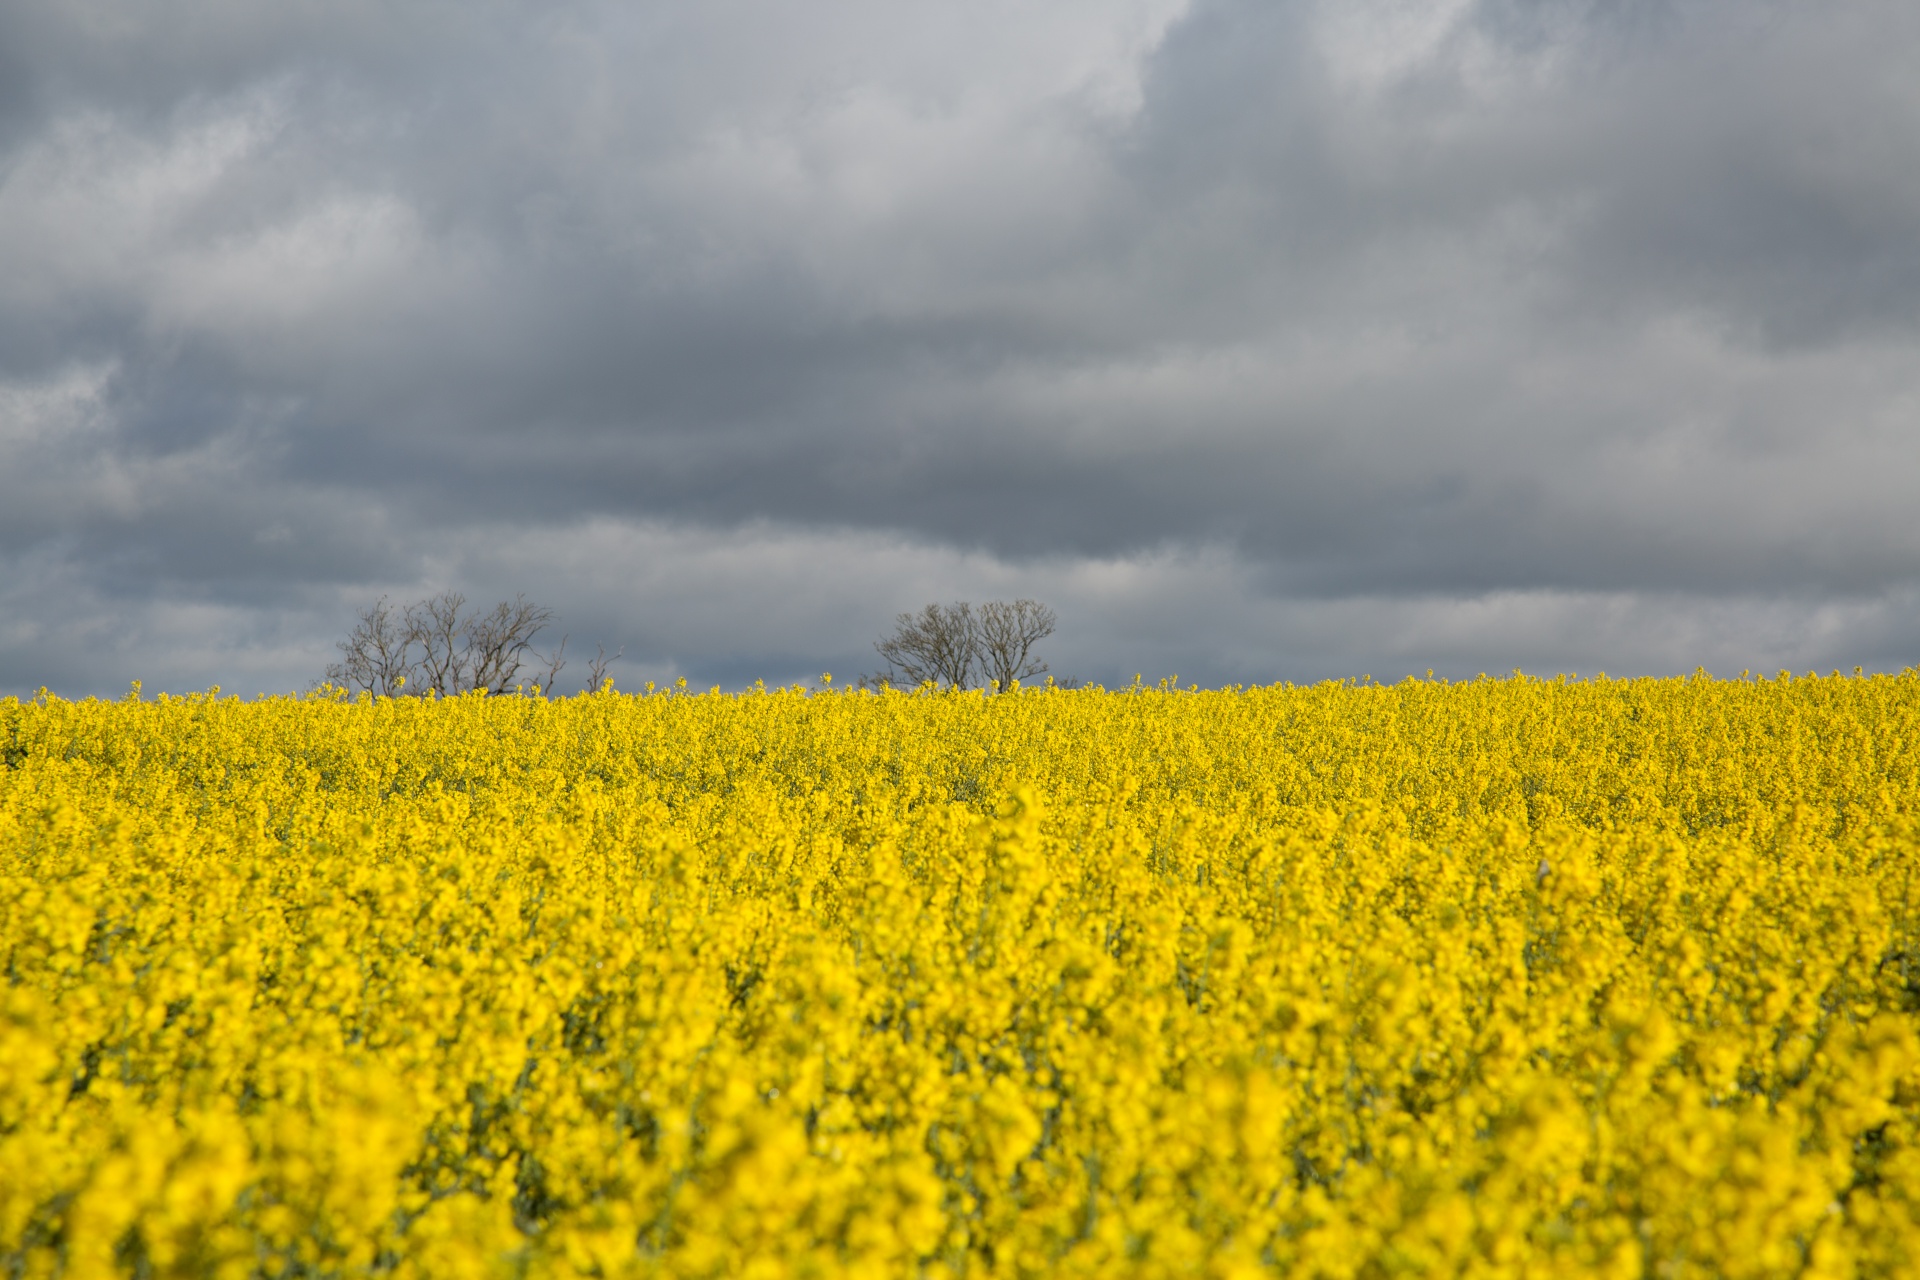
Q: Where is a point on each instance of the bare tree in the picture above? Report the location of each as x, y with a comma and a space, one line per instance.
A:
936, 644
1006, 636
435, 646
957, 644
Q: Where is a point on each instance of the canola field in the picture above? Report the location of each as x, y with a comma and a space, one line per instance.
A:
1502, 978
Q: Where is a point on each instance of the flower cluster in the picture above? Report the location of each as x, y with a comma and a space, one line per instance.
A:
1504, 978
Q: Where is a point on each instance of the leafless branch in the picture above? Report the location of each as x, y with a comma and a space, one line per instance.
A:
498, 643
556, 662
597, 669
1006, 636
436, 625
376, 655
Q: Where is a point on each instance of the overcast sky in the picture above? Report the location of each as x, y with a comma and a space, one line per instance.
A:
1264, 340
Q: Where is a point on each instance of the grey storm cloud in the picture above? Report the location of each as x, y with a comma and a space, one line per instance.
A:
1262, 339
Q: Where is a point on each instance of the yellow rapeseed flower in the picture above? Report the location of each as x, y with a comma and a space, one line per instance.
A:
1503, 978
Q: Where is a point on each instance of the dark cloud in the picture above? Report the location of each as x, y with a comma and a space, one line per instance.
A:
1264, 339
